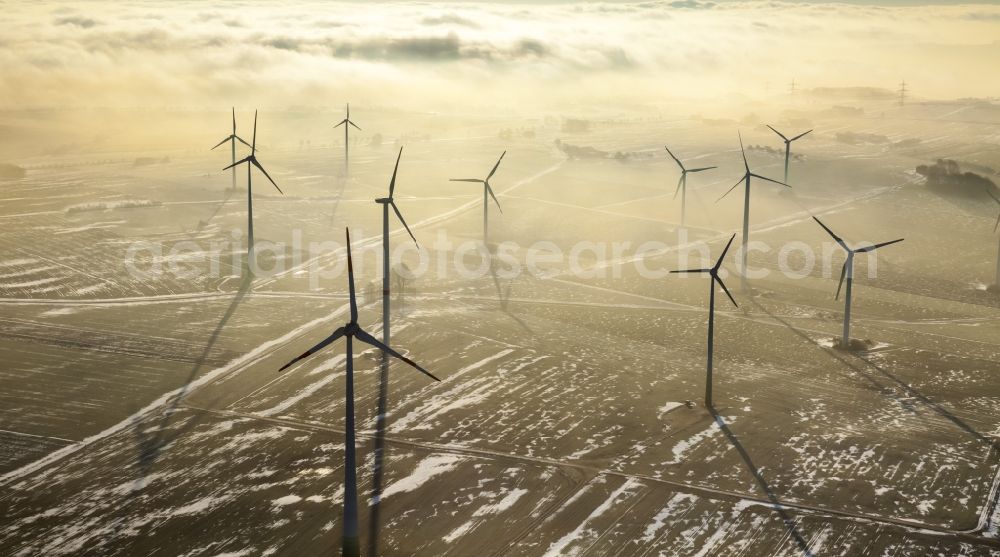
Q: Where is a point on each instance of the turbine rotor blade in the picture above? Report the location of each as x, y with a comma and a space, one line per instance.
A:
323, 344
780, 183
679, 182
832, 235
800, 135
692, 271
490, 190
476, 180
876, 246
392, 182
363, 336
726, 290
495, 166
722, 257
350, 278
254, 146
353, 124
843, 273
738, 182
702, 168
240, 139
400, 215
234, 120
673, 157
997, 199
261, 168
743, 151
221, 142
237, 163
342, 122
777, 132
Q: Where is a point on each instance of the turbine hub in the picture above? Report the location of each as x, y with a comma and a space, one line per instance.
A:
383, 200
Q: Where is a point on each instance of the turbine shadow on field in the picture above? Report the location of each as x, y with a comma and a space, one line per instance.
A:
909, 389
374, 520
835, 355
503, 297
906, 387
150, 445
789, 522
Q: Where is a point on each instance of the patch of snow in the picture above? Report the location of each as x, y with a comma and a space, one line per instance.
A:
199, 506
560, 546
286, 500
660, 520
684, 446
426, 469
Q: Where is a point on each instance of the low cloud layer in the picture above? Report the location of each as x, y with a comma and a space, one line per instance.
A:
189, 53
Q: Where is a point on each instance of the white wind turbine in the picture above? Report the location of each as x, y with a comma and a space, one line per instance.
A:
847, 271
251, 160
713, 272
351, 330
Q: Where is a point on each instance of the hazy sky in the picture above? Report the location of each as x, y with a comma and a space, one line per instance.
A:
432, 54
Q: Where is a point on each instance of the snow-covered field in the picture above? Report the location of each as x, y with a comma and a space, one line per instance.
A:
146, 416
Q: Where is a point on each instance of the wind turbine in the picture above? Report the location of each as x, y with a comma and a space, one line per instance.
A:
714, 273
233, 138
848, 271
682, 182
997, 283
746, 210
251, 160
386, 202
788, 146
347, 123
486, 190
351, 545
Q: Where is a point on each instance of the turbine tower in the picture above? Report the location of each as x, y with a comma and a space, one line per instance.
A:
486, 190
714, 273
347, 123
233, 138
351, 545
995, 226
251, 161
682, 183
383, 394
746, 211
848, 271
788, 146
